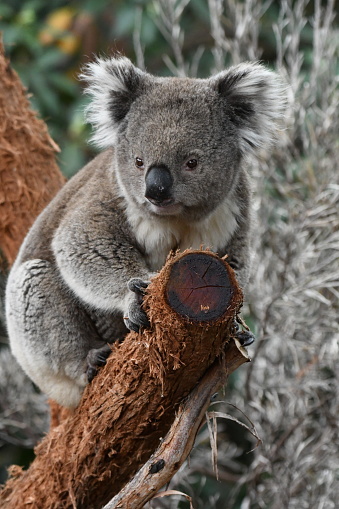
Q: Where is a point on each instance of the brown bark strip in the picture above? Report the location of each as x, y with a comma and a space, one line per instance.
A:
29, 175
175, 448
128, 407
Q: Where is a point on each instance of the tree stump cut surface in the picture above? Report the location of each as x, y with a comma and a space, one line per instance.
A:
199, 288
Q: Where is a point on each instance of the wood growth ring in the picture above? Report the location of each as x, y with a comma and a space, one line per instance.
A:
199, 287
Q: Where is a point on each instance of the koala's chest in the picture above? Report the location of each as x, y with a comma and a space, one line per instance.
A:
161, 239
157, 237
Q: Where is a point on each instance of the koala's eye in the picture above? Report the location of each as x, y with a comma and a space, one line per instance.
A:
139, 163
191, 164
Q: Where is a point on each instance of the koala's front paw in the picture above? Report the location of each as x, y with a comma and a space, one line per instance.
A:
96, 358
245, 337
135, 318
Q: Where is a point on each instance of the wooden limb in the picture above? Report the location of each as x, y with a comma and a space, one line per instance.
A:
29, 175
133, 401
177, 445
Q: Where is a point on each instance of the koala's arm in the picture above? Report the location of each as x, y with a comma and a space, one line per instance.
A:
238, 254
97, 256
238, 248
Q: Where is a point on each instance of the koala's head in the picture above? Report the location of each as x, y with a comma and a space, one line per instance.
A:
179, 142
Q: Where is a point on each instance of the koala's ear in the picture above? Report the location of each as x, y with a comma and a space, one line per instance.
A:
255, 101
114, 84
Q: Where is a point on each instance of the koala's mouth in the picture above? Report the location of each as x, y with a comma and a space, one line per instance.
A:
165, 208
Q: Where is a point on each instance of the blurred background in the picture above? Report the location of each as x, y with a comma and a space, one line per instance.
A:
290, 390
47, 42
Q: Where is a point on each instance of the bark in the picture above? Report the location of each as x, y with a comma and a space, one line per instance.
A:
177, 445
133, 401
29, 175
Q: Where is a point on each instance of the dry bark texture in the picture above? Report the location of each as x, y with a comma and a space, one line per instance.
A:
29, 175
174, 449
129, 406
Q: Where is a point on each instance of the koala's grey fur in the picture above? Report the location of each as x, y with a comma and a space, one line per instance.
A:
69, 291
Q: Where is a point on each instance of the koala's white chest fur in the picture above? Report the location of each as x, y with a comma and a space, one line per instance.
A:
158, 235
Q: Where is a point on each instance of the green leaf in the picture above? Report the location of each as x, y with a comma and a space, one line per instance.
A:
124, 23
64, 84
46, 96
50, 58
6, 11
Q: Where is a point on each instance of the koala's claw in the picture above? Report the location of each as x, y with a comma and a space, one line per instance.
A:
131, 325
91, 372
138, 286
96, 358
245, 337
136, 316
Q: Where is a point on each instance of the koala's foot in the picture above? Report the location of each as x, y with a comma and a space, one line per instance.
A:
245, 337
136, 316
96, 358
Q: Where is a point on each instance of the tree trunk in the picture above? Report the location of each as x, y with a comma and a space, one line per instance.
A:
131, 404
29, 175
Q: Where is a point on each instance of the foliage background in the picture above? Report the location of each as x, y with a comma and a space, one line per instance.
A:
47, 42
290, 391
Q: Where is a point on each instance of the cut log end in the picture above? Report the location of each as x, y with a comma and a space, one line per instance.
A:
200, 287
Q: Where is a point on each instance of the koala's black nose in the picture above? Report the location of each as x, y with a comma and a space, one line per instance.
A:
158, 185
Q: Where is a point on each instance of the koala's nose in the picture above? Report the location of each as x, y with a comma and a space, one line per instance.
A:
158, 185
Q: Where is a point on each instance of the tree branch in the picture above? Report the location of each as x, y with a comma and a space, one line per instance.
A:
177, 445
135, 398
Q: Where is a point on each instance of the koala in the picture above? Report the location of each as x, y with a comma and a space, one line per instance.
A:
174, 173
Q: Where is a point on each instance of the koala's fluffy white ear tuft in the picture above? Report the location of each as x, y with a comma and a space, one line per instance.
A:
255, 102
114, 84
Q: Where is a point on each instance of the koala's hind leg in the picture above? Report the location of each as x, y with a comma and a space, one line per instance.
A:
50, 334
